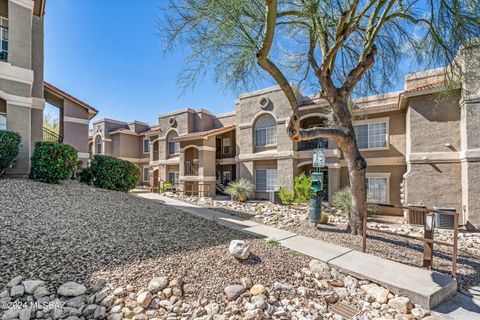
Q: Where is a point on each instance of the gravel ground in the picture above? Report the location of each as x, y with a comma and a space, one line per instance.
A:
390, 247
73, 232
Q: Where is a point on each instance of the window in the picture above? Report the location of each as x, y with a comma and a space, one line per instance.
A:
266, 179
3, 121
145, 174
173, 146
265, 131
377, 188
99, 145
173, 177
227, 177
226, 145
146, 145
3, 39
371, 135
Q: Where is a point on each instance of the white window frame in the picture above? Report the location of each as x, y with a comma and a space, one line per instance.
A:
268, 131
148, 145
275, 187
385, 176
148, 174
225, 173
99, 141
4, 31
177, 179
4, 115
228, 145
176, 145
385, 120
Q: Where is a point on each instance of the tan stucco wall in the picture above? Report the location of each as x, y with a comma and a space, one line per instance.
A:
434, 185
20, 35
434, 121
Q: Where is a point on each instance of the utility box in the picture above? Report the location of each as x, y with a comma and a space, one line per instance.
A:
444, 221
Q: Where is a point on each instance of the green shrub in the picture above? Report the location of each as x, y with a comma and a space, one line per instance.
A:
9, 146
86, 175
286, 196
53, 162
324, 218
342, 200
301, 186
114, 174
166, 186
240, 190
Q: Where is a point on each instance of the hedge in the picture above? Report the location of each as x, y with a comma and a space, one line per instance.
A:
9, 147
53, 162
114, 174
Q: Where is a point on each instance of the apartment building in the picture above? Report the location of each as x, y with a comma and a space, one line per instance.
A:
421, 145
23, 92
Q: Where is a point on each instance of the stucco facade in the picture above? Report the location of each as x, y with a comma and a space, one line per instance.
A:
23, 92
421, 144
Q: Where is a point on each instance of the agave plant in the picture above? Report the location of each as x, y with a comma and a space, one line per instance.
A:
240, 190
342, 200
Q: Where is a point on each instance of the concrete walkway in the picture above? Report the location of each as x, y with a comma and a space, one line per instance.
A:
423, 287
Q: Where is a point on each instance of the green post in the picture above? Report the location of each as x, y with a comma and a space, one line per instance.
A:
315, 209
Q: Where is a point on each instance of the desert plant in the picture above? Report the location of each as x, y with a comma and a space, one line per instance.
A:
53, 162
286, 196
114, 174
342, 200
240, 190
302, 184
324, 218
166, 186
273, 242
9, 146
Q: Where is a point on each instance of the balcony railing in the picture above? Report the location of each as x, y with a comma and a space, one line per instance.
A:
52, 136
312, 144
191, 169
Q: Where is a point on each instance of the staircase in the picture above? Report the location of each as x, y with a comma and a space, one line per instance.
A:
52, 136
219, 187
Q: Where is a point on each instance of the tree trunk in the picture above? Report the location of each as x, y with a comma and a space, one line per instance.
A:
356, 167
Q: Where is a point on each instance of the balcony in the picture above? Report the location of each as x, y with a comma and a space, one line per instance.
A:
191, 169
313, 144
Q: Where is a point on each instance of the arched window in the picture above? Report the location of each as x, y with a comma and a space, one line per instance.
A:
265, 131
173, 146
98, 145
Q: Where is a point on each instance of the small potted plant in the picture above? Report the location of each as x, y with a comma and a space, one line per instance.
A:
240, 190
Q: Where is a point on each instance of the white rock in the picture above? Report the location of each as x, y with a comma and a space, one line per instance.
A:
31, 285
401, 304
17, 291
144, 299
71, 289
239, 249
212, 309
11, 313
15, 281
157, 284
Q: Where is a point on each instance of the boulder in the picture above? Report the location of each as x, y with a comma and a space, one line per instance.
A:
239, 249
15, 281
319, 267
71, 289
257, 289
144, 299
17, 291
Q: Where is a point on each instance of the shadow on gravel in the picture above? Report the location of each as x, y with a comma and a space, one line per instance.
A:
69, 232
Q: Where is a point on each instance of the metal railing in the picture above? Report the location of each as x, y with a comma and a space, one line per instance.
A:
424, 239
312, 144
191, 169
189, 189
52, 136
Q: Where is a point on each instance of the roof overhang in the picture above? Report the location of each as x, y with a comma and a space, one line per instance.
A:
39, 7
92, 112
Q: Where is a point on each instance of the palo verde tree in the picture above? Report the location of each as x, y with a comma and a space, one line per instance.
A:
339, 48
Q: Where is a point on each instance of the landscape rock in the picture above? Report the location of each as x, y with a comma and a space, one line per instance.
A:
401, 304
157, 284
239, 249
71, 289
144, 299
15, 281
31, 285
17, 291
232, 292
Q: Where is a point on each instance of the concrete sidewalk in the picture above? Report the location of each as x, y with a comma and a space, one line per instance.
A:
423, 287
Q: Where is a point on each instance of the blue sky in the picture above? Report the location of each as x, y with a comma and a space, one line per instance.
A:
111, 57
